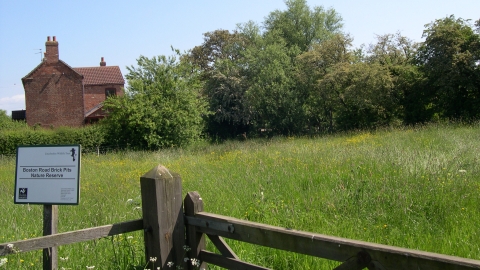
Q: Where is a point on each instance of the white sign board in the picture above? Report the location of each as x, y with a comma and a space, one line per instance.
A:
48, 174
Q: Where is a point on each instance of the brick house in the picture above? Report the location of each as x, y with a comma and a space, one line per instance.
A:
59, 95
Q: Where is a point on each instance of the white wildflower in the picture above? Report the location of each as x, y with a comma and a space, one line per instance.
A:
3, 261
462, 171
129, 201
9, 246
91, 267
186, 259
129, 237
195, 262
64, 258
186, 248
170, 264
153, 259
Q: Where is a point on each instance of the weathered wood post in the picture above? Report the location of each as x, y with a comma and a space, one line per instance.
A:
196, 241
164, 229
50, 224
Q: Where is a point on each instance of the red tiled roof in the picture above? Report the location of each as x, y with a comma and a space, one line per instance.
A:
101, 75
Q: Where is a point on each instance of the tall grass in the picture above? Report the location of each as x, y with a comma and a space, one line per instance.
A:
416, 188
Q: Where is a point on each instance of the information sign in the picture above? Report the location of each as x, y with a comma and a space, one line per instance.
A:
47, 174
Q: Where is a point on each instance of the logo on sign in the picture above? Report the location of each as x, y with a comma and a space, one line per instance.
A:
22, 193
73, 153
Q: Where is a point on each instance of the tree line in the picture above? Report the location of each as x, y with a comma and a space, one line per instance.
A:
297, 73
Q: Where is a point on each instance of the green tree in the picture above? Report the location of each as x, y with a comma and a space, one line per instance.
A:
392, 50
220, 59
397, 53
162, 106
363, 93
277, 93
275, 102
312, 66
301, 26
219, 44
226, 92
450, 57
250, 75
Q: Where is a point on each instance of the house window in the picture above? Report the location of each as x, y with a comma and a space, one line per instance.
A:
110, 92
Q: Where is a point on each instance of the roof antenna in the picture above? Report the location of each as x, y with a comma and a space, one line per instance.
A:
41, 53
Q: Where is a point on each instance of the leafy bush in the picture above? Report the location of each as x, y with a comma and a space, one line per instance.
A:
6, 122
89, 138
162, 107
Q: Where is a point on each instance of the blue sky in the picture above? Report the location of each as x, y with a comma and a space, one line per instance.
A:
121, 30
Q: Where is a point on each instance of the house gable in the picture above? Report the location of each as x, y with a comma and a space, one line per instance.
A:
59, 95
53, 92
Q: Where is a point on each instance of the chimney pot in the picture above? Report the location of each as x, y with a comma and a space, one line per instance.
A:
102, 62
51, 50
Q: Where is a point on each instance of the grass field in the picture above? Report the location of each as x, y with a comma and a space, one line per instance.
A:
415, 188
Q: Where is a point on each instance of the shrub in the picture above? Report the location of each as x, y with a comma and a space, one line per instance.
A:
89, 138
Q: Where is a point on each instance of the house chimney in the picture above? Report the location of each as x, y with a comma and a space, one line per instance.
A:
51, 52
103, 63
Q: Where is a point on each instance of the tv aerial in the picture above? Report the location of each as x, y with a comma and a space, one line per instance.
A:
41, 53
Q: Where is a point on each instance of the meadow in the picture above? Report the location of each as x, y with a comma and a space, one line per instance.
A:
416, 188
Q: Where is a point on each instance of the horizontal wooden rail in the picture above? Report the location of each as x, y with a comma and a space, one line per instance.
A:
319, 245
71, 237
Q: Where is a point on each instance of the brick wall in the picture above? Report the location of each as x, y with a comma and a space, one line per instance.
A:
54, 96
95, 94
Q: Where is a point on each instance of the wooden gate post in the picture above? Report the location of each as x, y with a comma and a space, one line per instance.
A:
164, 229
195, 240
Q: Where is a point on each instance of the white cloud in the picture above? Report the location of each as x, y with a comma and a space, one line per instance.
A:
14, 103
